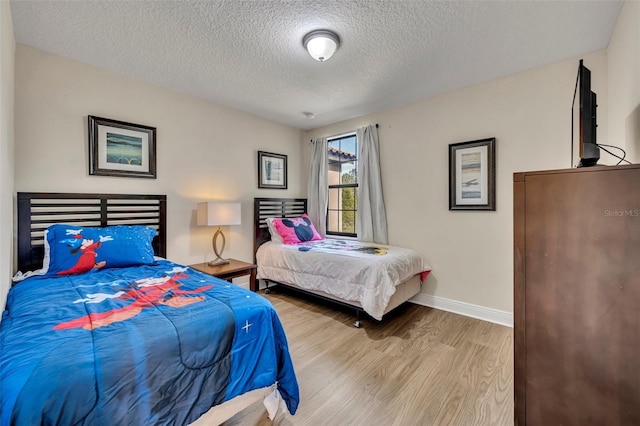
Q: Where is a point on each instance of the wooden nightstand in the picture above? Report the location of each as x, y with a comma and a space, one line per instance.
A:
233, 269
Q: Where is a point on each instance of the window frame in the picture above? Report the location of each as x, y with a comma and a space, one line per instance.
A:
341, 186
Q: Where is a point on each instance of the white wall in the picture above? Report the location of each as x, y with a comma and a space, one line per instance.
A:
204, 151
7, 62
624, 82
529, 114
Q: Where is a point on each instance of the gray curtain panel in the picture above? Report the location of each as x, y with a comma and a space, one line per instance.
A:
371, 217
317, 190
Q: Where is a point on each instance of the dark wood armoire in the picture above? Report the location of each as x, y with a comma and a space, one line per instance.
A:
577, 296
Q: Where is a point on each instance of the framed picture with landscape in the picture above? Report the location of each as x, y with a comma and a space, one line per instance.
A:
117, 148
272, 170
472, 175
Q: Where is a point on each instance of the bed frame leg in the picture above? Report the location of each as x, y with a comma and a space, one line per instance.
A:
357, 323
267, 290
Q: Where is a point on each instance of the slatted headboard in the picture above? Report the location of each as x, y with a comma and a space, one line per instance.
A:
273, 207
38, 210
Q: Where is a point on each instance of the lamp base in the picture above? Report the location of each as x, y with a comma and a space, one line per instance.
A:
214, 242
218, 261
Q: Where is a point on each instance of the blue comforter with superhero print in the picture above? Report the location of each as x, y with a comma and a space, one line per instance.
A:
153, 344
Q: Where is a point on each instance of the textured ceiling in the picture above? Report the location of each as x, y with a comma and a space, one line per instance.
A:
249, 55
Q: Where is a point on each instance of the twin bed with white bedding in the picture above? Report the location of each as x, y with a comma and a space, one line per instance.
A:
369, 277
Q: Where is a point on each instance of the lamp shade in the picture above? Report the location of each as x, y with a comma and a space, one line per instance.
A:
321, 44
218, 214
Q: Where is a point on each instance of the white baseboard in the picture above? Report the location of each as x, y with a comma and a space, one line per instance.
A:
463, 308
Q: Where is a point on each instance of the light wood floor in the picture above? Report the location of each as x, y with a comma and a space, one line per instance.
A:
419, 366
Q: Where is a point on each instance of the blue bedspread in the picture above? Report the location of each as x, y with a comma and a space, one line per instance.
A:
157, 344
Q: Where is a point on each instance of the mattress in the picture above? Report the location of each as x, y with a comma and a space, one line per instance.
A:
362, 274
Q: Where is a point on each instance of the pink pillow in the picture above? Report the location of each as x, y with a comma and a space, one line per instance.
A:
296, 230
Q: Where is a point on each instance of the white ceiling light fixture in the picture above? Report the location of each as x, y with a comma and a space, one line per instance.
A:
321, 44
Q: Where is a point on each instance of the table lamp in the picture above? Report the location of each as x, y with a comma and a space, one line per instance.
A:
218, 214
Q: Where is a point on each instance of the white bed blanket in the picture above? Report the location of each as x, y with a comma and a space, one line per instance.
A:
351, 270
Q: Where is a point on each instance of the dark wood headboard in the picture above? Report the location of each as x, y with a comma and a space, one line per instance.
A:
273, 207
39, 210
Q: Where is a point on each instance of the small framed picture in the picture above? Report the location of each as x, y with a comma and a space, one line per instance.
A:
272, 170
117, 148
472, 175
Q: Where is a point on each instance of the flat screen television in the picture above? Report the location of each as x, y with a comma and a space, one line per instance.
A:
584, 148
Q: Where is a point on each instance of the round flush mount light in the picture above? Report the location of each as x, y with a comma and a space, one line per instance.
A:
309, 115
321, 44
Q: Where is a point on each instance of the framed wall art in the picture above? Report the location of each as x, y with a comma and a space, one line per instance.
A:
117, 148
272, 170
472, 175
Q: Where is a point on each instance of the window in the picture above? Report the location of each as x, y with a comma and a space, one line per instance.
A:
343, 185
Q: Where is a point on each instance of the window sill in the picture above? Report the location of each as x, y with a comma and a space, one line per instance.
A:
342, 237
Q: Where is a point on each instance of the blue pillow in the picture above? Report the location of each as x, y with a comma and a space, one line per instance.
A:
75, 250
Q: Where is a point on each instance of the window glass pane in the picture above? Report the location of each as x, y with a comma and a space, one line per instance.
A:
349, 152
334, 161
333, 174
349, 145
348, 173
348, 210
348, 201
348, 222
333, 155
334, 198
333, 222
